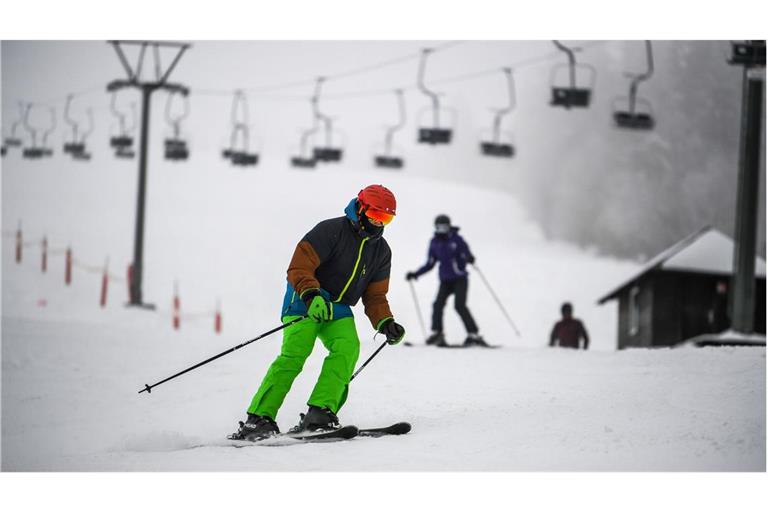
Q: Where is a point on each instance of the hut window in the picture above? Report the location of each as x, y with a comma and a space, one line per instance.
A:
634, 310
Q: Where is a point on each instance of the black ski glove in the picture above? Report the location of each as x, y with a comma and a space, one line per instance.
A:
393, 331
470, 259
411, 276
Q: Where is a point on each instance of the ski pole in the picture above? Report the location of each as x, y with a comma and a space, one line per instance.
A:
368, 361
496, 299
148, 388
418, 309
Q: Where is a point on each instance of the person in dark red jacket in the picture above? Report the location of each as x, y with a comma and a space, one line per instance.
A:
569, 331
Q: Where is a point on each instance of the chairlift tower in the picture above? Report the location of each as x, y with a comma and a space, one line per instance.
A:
751, 55
147, 87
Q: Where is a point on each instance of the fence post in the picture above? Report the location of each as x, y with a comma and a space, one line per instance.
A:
176, 306
18, 244
44, 262
129, 279
104, 284
68, 267
217, 320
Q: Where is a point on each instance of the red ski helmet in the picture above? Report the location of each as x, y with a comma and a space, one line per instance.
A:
377, 202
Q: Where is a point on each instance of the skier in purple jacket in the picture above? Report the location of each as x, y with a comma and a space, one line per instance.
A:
450, 249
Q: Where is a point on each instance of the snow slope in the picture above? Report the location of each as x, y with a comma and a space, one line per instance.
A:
71, 371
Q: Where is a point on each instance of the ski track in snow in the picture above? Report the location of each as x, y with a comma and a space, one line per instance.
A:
71, 372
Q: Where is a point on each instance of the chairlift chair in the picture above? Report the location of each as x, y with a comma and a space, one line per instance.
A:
571, 95
176, 147
328, 152
434, 134
74, 146
302, 161
13, 141
750, 53
387, 159
81, 153
34, 152
240, 157
122, 143
495, 147
638, 112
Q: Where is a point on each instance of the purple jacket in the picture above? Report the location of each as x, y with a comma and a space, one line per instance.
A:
453, 254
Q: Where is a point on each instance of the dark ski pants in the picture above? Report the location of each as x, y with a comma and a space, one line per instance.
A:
457, 288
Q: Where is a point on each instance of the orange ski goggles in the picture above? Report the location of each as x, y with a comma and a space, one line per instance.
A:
379, 216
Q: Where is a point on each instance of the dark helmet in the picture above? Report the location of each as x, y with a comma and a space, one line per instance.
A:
442, 224
566, 309
442, 219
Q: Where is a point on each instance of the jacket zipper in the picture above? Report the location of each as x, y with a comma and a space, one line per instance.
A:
354, 270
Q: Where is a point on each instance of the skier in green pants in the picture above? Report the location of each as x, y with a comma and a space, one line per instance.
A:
340, 261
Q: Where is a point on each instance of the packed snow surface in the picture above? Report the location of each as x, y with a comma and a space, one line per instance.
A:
71, 371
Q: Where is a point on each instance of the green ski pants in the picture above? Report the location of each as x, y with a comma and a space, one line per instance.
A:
339, 337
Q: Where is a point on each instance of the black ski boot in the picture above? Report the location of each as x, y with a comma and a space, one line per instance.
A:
437, 339
475, 340
255, 428
317, 419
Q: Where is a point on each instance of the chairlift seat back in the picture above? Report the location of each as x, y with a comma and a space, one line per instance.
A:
121, 141
81, 155
32, 153
244, 159
327, 154
125, 152
496, 149
74, 147
635, 121
12, 142
306, 163
435, 135
571, 97
176, 153
391, 162
175, 143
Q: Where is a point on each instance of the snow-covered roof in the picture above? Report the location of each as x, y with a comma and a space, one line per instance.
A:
706, 251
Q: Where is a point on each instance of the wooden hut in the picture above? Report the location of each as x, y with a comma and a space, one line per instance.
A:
682, 293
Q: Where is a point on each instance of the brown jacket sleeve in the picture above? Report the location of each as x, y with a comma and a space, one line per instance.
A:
375, 302
301, 269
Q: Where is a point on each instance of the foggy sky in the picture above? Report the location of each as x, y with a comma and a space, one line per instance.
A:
625, 193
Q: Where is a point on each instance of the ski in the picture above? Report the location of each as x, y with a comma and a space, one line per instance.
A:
288, 438
393, 430
468, 346
345, 432
409, 344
